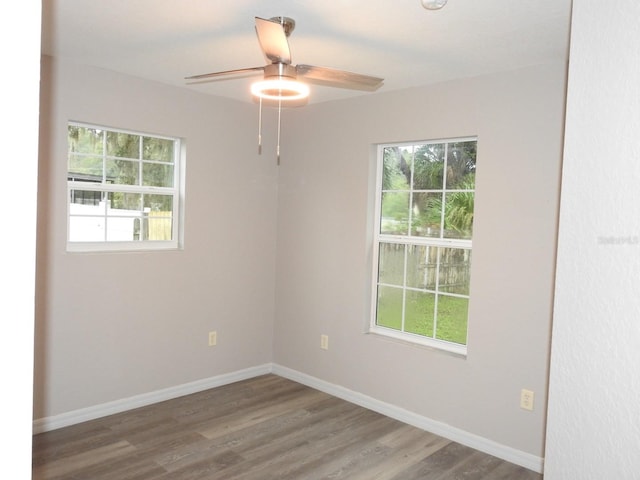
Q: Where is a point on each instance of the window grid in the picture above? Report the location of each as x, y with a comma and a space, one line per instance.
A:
409, 240
138, 236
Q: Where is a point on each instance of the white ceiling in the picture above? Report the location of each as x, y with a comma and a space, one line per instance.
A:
166, 40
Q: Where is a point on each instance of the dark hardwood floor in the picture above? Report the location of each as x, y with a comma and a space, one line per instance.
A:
263, 428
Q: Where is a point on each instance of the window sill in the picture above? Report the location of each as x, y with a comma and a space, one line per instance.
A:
454, 349
124, 247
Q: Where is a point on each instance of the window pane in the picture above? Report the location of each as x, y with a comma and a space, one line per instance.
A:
158, 149
452, 319
124, 214
396, 172
86, 216
125, 204
84, 197
389, 307
455, 264
395, 213
391, 264
84, 168
458, 215
121, 228
428, 170
157, 175
85, 140
158, 203
419, 313
123, 172
159, 219
123, 145
86, 229
158, 226
427, 215
461, 165
422, 266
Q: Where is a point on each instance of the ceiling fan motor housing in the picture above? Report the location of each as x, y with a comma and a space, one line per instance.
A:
279, 70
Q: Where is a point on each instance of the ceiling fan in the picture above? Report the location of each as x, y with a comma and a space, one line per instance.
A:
280, 76
282, 80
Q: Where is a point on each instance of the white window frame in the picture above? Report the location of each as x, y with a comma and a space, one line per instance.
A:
379, 238
176, 192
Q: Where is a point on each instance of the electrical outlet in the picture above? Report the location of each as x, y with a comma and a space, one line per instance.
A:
526, 399
213, 338
324, 342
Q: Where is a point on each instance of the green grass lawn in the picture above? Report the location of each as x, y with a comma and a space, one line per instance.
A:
419, 314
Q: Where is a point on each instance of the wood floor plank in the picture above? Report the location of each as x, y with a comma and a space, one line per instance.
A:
439, 465
260, 442
62, 467
508, 471
207, 468
64, 442
476, 467
409, 446
131, 466
317, 456
249, 417
262, 428
292, 445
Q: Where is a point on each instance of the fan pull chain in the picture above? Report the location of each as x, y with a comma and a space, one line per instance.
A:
279, 115
260, 128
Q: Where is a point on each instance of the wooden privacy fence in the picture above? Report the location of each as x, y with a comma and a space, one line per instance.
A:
158, 225
453, 275
423, 270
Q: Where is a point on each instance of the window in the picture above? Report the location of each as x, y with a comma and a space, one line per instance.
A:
122, 189
422, 249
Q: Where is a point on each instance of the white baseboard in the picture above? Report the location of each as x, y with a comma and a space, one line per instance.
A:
90, 413
482, 444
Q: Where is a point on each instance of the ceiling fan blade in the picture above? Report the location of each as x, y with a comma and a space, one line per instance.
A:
332, 77
239, 71
273, 41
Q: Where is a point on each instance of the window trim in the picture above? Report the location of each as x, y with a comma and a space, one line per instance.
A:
378, 238
177, 193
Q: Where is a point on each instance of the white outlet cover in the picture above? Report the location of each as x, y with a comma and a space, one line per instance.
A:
526, 399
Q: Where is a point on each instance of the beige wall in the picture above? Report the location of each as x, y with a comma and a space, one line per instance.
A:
323, 264
106, 332
110, 326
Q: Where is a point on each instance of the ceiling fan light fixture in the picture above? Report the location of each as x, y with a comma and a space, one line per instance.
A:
433, 4
280, 89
